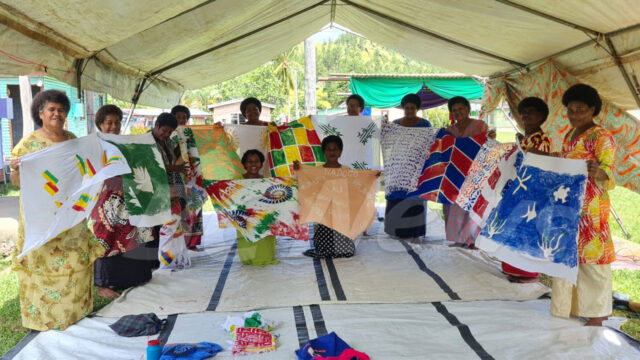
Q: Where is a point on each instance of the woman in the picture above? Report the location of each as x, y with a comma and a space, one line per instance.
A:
328, 242
171, 231
591, 297
533, 113
406, 218
355, 105
263, 251
459, 227
56, 279
195, 194
251, 109
126, 261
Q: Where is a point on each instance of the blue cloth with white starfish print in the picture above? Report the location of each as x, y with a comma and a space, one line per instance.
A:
535, 225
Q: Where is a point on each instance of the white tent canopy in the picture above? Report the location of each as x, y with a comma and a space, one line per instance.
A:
112, 45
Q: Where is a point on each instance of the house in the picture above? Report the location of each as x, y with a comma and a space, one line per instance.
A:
228, 112
79, 119
144, 118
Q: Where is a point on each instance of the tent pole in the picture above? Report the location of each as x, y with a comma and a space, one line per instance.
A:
434, 35
134, 103
623, 71
619, 221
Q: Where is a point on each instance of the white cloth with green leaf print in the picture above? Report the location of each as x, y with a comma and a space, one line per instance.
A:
60, 184
145, 187
360, 136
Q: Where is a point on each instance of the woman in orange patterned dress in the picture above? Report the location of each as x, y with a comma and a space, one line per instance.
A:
591, 297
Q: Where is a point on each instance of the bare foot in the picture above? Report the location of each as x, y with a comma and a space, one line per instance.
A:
471, 247
107, 293
596, 321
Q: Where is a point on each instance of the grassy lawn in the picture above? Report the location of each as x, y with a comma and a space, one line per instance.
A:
11, 330
9, 190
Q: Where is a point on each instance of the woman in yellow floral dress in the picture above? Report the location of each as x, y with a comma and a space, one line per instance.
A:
55, 280
591, 297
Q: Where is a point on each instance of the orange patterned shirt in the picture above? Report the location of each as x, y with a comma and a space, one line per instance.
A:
539, 141
594, 240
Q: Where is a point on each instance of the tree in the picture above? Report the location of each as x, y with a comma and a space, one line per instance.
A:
273, 81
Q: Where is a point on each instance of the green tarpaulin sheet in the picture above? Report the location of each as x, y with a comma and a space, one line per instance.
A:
385, 92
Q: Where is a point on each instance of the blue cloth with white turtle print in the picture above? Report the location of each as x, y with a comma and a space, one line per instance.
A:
535, 225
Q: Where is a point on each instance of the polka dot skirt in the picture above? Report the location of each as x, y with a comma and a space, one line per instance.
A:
330, 243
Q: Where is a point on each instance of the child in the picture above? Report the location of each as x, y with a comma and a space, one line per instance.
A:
533, 112
263, 251
330, 243
591, 297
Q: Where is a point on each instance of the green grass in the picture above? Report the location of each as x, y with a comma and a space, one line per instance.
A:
11, 330
627, 282
625, 203
9, 190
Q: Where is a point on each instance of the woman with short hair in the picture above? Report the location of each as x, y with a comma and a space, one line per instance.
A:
126, 262
55, 280
459, 227
406, 218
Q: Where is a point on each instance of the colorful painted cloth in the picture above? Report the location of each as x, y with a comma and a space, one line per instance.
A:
549, 81
195, 193
250, 340
538, 141
404, 151
447, 166
293, 141
61, 183
535, 226
541, 142
145, 186
56, 279
247, 137
594, 242
260, 207
494, 166
173, 252
218, 157
360, 135
341, 199
199, 351
111, 224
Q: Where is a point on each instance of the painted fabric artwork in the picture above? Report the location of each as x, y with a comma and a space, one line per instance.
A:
447, 167
218, 157
247, 137
549, 81
535, 225
296, 140
404, 151
260, 207
194, 190
145, 187
494, 167
172, 250
60, 184
360, 136
341, 199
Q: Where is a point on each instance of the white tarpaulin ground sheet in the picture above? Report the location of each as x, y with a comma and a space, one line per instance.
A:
447, 330
384, 271
393, 300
